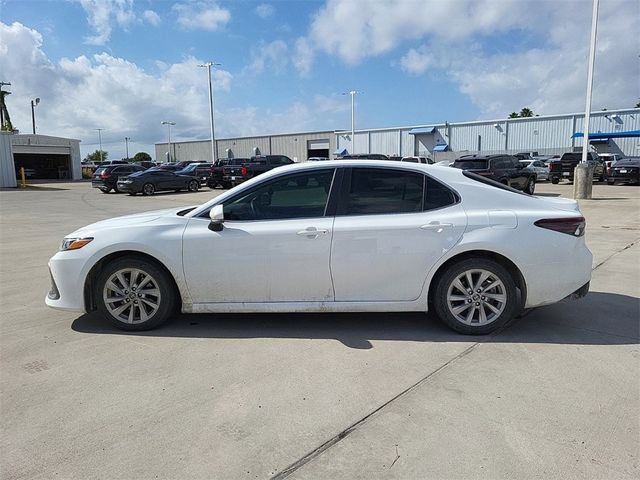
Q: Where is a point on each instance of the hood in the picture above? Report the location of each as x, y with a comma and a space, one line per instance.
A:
127, 220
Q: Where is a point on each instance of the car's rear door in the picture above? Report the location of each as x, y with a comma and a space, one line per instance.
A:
274, 245
391, 227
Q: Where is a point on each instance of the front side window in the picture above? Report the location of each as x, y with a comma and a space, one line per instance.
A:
301, 195
382, 191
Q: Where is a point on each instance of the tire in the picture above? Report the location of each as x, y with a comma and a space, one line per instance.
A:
112, 283
531, 186
105, 190
611, 182
555, 180
115, 189
133, 194
193, 186
148, 189
226, 185
504, 302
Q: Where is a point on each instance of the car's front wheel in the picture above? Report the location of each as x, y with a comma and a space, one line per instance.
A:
475, 296
531, 186
135, 294
148, 189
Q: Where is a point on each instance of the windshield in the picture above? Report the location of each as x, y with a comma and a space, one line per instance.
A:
471, 164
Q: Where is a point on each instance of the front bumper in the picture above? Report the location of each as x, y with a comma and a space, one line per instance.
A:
67, 282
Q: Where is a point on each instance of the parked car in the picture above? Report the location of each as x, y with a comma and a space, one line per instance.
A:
526, 155
371, 236
317, 159
200, 170
564, 167
625, 170
112, 162
233, 175
538, 167
504, 169
417, 160
363, 156
105, 178
175, 166
609, 159
146, 164
150, 181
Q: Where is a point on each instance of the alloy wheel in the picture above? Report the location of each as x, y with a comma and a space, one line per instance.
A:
131, 295
476, 297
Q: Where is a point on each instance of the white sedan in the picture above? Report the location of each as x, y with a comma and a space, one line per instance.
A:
349, 236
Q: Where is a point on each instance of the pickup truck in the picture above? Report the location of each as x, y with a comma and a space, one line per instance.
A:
217, 171
233, 175
563, 168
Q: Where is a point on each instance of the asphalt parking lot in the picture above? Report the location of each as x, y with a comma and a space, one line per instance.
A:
554, 395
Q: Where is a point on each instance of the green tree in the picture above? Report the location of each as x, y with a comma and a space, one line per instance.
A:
526, 112
142, 157
96, 157
514, 115
638, 105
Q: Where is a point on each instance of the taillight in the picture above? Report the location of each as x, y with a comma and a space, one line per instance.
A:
555, 167
243, 171
572, 226
105, 175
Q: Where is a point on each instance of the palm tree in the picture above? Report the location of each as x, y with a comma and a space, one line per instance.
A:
514, 115
526, 112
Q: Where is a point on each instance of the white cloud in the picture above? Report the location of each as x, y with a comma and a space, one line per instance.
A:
303, 56
417, 61
83, 93
204, 15
265, 10
272, 57
151, 17
101, 14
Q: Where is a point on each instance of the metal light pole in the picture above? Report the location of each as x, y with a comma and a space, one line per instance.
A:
214, 145
100, 141
168, 124
126, 145
33, 113
583, 174
353, 115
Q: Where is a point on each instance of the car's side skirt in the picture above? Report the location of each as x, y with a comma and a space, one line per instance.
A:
296, 307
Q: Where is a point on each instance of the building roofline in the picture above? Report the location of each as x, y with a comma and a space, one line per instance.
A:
311, 132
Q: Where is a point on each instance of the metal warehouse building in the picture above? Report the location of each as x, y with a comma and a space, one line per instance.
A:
618, 131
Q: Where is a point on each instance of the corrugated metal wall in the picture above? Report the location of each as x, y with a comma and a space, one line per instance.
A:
536, 133
465, 137
385, 141
7, 166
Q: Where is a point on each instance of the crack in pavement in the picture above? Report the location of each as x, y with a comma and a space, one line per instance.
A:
316, 452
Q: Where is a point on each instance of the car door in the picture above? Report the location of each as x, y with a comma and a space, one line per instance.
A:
391, 227
274, 245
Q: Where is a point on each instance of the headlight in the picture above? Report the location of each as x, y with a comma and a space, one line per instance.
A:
74, 243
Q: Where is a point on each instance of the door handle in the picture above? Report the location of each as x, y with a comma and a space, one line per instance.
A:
313, 232
438, 227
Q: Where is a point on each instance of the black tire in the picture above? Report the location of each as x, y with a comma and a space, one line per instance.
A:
193, 186
611, 182
148, 189
531, 186
445, 280
555, 180
133, 194
115, 189
168, 299
105, 190
226, 185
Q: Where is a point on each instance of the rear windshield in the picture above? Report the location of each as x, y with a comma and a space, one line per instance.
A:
493, 183
100, 171
237, 161
471, 164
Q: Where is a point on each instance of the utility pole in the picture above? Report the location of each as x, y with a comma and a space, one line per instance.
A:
214, 145
126, 146
168, 124
34, 103
100, 142
353, 115
583, 173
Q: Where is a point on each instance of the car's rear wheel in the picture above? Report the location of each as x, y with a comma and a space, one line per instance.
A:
555, 180
134, 294
475, 296
105, 190
531, 186
193, 186
148, 189
610, 182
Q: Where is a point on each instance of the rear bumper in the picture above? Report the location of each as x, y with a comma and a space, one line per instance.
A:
630, 178
129, 187
579, 293
100, 184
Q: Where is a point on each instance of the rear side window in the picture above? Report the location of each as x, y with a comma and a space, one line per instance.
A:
436, 195
382, 191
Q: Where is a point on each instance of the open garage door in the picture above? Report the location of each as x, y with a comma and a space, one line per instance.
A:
43, 166
318, 148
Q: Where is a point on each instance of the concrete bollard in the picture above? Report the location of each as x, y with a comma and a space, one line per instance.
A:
583, 181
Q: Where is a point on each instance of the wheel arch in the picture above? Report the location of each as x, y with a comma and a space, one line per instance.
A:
89, 282
507, 263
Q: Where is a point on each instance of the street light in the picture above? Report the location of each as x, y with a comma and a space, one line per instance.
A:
214, 146
100, 141
353, 114
33, 113
126, 145
168, 124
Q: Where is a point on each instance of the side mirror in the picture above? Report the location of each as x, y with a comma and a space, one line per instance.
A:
216, 214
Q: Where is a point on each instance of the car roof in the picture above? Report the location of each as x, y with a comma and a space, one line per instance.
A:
481, 157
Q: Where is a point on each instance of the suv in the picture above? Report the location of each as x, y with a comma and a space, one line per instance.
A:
105, 178
505, 169
112, 162
417, 160
233, 175
564, 167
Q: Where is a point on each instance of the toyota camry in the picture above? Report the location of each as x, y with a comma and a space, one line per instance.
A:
348, 236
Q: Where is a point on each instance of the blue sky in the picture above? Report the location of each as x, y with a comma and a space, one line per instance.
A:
125, 65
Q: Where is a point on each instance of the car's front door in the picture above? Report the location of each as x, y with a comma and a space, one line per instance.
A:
274, 245
391, 227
